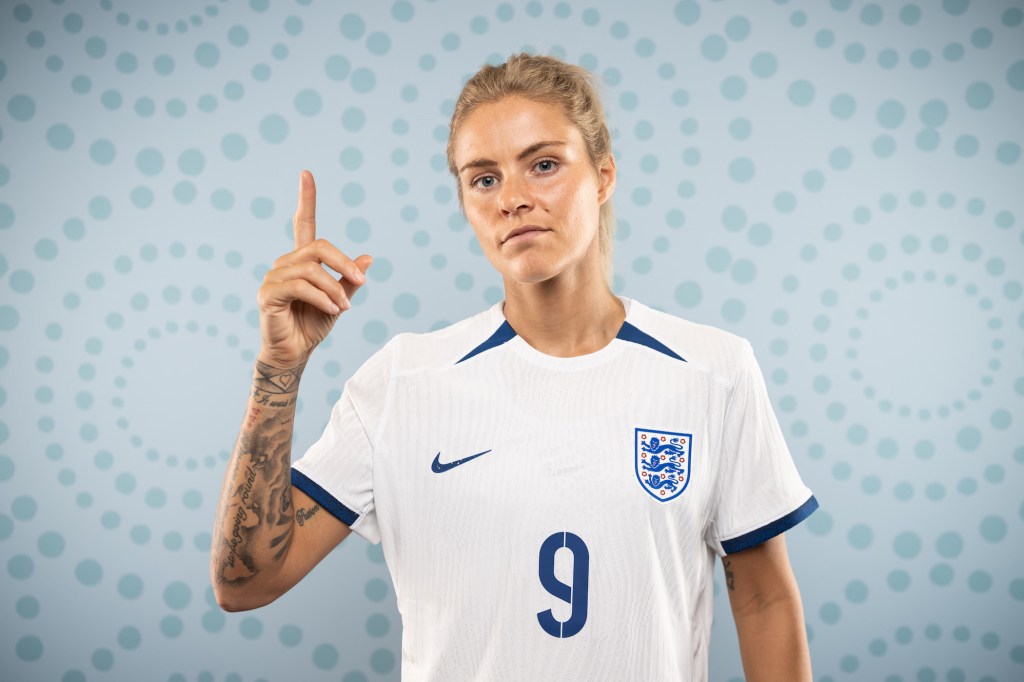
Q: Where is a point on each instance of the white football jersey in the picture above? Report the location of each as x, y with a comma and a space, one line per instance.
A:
548, 518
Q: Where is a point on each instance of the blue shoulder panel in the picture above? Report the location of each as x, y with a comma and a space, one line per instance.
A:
630, 333
503, 334
627, 332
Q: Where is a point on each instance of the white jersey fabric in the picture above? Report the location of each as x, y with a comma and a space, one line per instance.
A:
548, 518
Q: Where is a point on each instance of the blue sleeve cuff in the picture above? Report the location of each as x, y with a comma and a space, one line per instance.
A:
768, 531
323, 498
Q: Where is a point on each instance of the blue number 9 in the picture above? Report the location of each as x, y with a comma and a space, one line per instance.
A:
575, 594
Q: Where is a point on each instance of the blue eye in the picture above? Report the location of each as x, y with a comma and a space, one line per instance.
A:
553, 164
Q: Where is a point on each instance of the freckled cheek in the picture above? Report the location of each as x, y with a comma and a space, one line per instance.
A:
477, 209
485, 219
553, 200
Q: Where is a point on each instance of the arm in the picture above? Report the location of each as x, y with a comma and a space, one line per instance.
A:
769, 615
262, 546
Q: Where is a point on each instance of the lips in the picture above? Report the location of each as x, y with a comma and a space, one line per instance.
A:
522, 230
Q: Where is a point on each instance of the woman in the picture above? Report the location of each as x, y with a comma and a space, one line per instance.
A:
550, 478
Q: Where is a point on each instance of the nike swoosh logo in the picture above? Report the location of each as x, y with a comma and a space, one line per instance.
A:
437, 467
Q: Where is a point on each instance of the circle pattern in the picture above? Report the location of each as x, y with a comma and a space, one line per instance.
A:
172, 129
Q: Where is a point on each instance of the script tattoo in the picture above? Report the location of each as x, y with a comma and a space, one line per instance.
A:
303, 515
730, 577
259, 507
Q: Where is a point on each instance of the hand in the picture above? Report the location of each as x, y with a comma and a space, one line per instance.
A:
299, 301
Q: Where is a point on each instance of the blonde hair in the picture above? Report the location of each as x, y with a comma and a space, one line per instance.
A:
549, 80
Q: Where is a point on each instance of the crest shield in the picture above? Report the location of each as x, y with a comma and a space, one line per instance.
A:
662, 462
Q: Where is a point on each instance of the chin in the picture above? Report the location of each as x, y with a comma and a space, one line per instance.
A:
532, 273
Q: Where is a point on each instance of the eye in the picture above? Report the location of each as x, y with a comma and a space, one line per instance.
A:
476, 181
546, 166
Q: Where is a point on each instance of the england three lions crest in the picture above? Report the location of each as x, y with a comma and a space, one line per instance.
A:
663, 462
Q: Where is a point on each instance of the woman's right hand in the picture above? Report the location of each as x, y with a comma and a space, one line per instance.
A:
297, 294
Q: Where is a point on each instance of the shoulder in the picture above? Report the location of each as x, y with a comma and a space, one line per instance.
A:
718, 352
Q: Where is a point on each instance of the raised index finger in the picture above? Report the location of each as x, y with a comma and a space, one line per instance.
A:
304, 221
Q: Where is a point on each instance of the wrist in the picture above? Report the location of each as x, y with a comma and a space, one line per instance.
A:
278, 363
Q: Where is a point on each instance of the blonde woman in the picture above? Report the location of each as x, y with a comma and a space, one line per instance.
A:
551, 478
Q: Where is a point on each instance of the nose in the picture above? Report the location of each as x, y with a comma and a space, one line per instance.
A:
512, 197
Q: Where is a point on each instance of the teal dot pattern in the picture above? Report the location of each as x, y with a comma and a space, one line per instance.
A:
837, 181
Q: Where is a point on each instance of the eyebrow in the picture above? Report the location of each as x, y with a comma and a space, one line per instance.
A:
476, 163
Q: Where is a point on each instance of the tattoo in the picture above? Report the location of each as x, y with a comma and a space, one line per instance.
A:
259, 504
301, 516
730, 577
264, 399
276, 380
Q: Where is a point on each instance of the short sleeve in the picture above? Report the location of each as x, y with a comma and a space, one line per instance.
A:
337, 470
759, 492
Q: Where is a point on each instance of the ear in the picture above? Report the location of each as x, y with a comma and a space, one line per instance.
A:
606, 176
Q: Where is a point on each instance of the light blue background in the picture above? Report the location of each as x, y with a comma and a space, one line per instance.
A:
840, 182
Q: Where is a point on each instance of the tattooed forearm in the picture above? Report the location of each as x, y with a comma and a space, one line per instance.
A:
730, 577
255, 516
303, 515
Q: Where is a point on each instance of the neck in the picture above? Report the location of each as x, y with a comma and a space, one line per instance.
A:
562, 320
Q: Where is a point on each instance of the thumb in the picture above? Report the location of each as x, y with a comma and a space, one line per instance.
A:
364, 261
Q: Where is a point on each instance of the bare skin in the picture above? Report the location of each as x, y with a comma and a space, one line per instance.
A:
267, 534
259, 504
768, 611
556, 296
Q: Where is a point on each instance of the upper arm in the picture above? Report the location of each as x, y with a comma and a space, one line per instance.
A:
759, 576
314, 534
768, 612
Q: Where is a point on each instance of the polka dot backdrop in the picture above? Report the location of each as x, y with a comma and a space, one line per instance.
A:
837, 181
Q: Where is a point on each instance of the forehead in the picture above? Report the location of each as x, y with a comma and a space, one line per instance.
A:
506, 126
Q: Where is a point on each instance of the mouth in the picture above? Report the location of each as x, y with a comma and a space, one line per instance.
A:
523, 233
